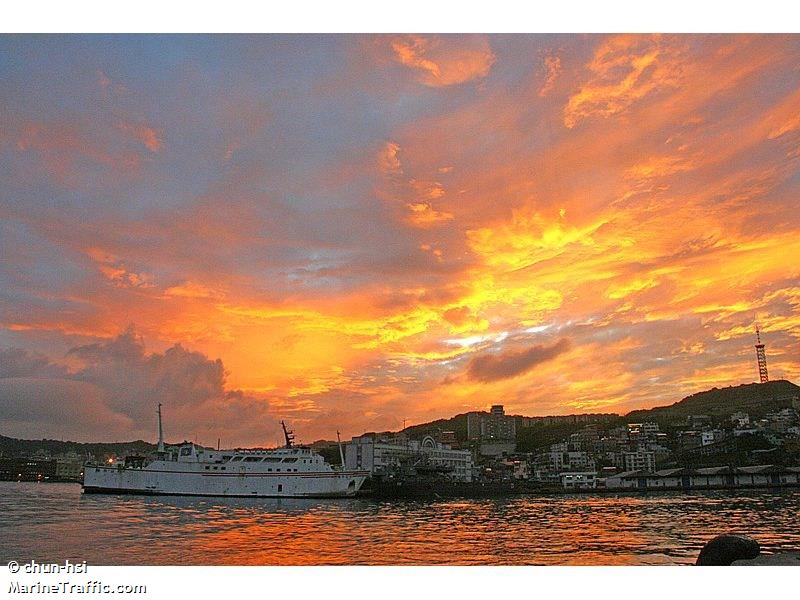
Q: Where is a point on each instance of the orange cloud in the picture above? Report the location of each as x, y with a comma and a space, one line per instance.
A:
148, 136
116, 271
651, 231
423, 215
553, 69
389, 159
441, 61
624, 70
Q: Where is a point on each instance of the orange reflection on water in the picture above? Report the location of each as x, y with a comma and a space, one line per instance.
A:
54, 522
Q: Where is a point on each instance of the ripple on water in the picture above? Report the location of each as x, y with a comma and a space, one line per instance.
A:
56, 522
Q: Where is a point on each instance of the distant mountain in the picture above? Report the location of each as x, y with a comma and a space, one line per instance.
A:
756, 399
14, 447
458, 424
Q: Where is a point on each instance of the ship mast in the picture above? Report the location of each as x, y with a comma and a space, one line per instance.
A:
160, 431
288, 435
341, 453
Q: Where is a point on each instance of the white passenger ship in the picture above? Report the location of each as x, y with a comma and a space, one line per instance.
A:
191, 470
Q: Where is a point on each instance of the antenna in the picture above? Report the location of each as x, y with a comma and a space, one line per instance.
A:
288, 435
761, 358
160, 431
341, 453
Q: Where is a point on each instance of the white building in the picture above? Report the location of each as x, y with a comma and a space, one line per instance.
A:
376, 453
520, 468
641, 460
495, 431
550, 464
647, 428
705, 478
579, 480
740, 419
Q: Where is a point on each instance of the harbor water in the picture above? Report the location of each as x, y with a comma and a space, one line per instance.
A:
51, 522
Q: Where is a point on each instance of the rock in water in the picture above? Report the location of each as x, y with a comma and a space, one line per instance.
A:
724, 549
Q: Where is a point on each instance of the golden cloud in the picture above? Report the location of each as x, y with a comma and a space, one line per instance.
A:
440, 61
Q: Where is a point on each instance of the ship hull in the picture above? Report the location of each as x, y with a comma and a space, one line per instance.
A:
155, 482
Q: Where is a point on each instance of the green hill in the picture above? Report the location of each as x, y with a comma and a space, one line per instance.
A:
14, 447
458, 424
756, 399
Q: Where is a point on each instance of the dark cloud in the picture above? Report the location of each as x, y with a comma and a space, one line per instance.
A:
130, 376
493, 367
113, 395
16, 362
33, 407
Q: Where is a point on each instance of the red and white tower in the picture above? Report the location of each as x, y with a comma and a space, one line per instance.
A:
761, 357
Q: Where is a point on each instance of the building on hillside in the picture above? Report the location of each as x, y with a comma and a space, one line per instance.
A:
578, 480
740, 419
494, 432
641, 430
69, 466
641, 460
379, 453
27, 469
710, 436
586, 439
698, 421
781, 420
448, 438
525, 422
689, 439
494, 426
554, 462
519, 466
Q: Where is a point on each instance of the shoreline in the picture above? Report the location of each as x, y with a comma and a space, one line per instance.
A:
482, 493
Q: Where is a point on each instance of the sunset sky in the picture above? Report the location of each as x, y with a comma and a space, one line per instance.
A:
347, 232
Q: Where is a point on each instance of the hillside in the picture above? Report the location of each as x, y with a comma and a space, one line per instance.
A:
14, 447
458, 424
756, 399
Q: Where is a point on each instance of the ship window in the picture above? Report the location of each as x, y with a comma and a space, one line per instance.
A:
252, 459
270, 470
207, 468
278, 470
289, 460
186, 451
215, 468
227, 457
222, 468
235, 458
272, 459
280, 486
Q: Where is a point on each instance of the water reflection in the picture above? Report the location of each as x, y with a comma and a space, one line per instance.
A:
55, 522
